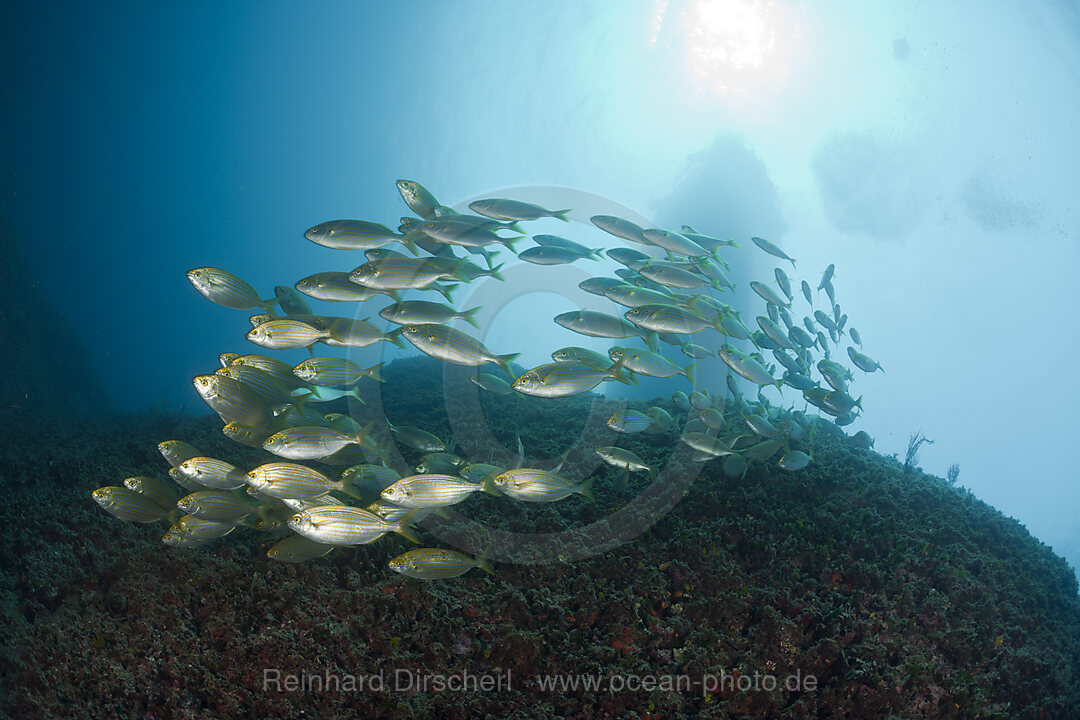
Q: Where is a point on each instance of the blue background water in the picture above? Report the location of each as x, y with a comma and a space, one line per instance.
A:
929, 151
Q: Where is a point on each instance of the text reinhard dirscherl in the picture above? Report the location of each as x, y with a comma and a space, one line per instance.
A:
416, 680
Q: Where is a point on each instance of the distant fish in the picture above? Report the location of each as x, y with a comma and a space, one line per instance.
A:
772, 249
623, 459
436, 564
827, 276
784, 283
706, 444
806, 293
503, 209
291, 302
794, 460
768, 294
630, 421
296, 549
491, 383
863, 362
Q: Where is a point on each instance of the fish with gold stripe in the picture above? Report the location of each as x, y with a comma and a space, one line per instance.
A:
436, 564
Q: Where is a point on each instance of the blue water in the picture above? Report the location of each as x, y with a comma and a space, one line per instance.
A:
928, 151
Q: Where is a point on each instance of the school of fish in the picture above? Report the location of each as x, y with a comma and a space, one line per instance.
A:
670, 297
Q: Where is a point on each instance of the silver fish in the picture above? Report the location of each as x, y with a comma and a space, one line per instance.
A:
436, 564
224, 288
534, 485
772, 249
596, 324
344, 525
453, 346
503, 209
129, 505
334, 287
620, 228
415, 312
417, 197
673, 242
430, 490
561, 379
351, 235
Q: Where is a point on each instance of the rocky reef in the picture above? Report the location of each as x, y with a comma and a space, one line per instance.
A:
900, 595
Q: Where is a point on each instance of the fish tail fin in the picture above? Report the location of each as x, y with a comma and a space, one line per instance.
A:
858, 403
561, 214
394, 336
469, 316
488, 485
444, 290
375, 372
407, 241
521, 453
504, 361
622, 480
653, 341
494, 272
482, 561
509, 242
562, 461
622, 374
403, 528
586, 489
355, 395
792, 263
690, 371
